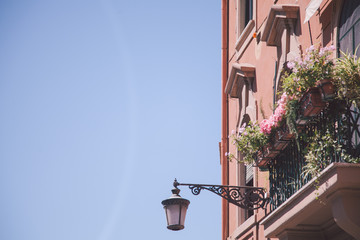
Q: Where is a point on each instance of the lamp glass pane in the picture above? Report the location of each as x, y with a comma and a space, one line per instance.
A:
172, 213
183, 214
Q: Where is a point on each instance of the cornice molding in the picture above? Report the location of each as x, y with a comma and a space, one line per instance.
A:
280, 17
238, 73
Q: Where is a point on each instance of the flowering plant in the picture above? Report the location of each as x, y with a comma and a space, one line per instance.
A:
347, 78
249, 140
319, 153
315, 65
253, 137
274, 120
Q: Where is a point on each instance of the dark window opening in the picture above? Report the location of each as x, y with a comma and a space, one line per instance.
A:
349, 27
248, 11
249, 213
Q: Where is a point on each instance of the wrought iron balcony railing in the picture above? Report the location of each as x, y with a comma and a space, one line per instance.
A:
286, 170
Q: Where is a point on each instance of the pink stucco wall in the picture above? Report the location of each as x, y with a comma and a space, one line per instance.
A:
323, 29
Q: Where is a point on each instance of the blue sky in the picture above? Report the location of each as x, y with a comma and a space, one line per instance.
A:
103, 103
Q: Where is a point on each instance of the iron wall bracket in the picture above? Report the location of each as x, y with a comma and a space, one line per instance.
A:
245, 197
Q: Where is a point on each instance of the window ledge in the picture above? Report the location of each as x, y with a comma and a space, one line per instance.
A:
244, 35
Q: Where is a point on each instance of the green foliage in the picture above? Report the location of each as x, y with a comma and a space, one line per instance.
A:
292, 108
249, 141
319, 153
291, 85
347, 78
322, 148
305, 72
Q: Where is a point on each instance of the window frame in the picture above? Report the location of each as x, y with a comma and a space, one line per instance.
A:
245, 23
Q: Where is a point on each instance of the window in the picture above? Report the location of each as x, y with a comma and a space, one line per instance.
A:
349, 27
349, 40
250, 183
245, 176
244, 14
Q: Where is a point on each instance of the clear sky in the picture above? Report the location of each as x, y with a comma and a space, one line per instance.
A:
102, 104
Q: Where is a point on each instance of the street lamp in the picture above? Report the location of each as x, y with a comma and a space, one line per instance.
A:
245, 197
175, 209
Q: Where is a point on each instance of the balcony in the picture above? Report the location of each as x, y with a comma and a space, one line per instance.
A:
330, 211
324, 206
286, 176
311, 146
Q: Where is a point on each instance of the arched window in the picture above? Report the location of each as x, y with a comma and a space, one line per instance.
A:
349, 27
349, 40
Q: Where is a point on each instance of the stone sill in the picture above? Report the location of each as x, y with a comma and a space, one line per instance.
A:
244, 35
311, 210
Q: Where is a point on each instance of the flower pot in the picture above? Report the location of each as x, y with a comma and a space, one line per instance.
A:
284, 133
282, 137
265, 155
311, 103
302, 121
327, 90
262, 162
280, 144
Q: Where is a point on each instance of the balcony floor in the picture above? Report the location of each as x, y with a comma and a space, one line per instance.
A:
330, 212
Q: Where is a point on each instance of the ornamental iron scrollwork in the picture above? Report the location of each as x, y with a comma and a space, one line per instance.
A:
286, 170
245, 197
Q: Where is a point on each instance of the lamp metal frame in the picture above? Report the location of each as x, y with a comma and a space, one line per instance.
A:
245, 197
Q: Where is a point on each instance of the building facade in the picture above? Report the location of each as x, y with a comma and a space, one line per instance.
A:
259, 39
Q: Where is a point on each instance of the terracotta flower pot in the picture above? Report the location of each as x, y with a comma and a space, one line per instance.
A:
311, 103
262, 162
282, 137
280, 144
265, 155
284, 133
327, 90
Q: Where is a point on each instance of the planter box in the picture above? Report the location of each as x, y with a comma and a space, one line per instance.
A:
265, 155
284, 133
283, 137
327, 89
311, 103
262, 163
280, 144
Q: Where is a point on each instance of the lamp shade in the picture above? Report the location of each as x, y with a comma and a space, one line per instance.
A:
175, 209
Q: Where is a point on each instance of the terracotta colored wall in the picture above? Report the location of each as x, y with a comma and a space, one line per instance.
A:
263, 57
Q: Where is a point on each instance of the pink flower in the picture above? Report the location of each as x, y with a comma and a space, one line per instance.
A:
265, 126
311, 48
332, 48
290, 65
322, 52
242, 128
